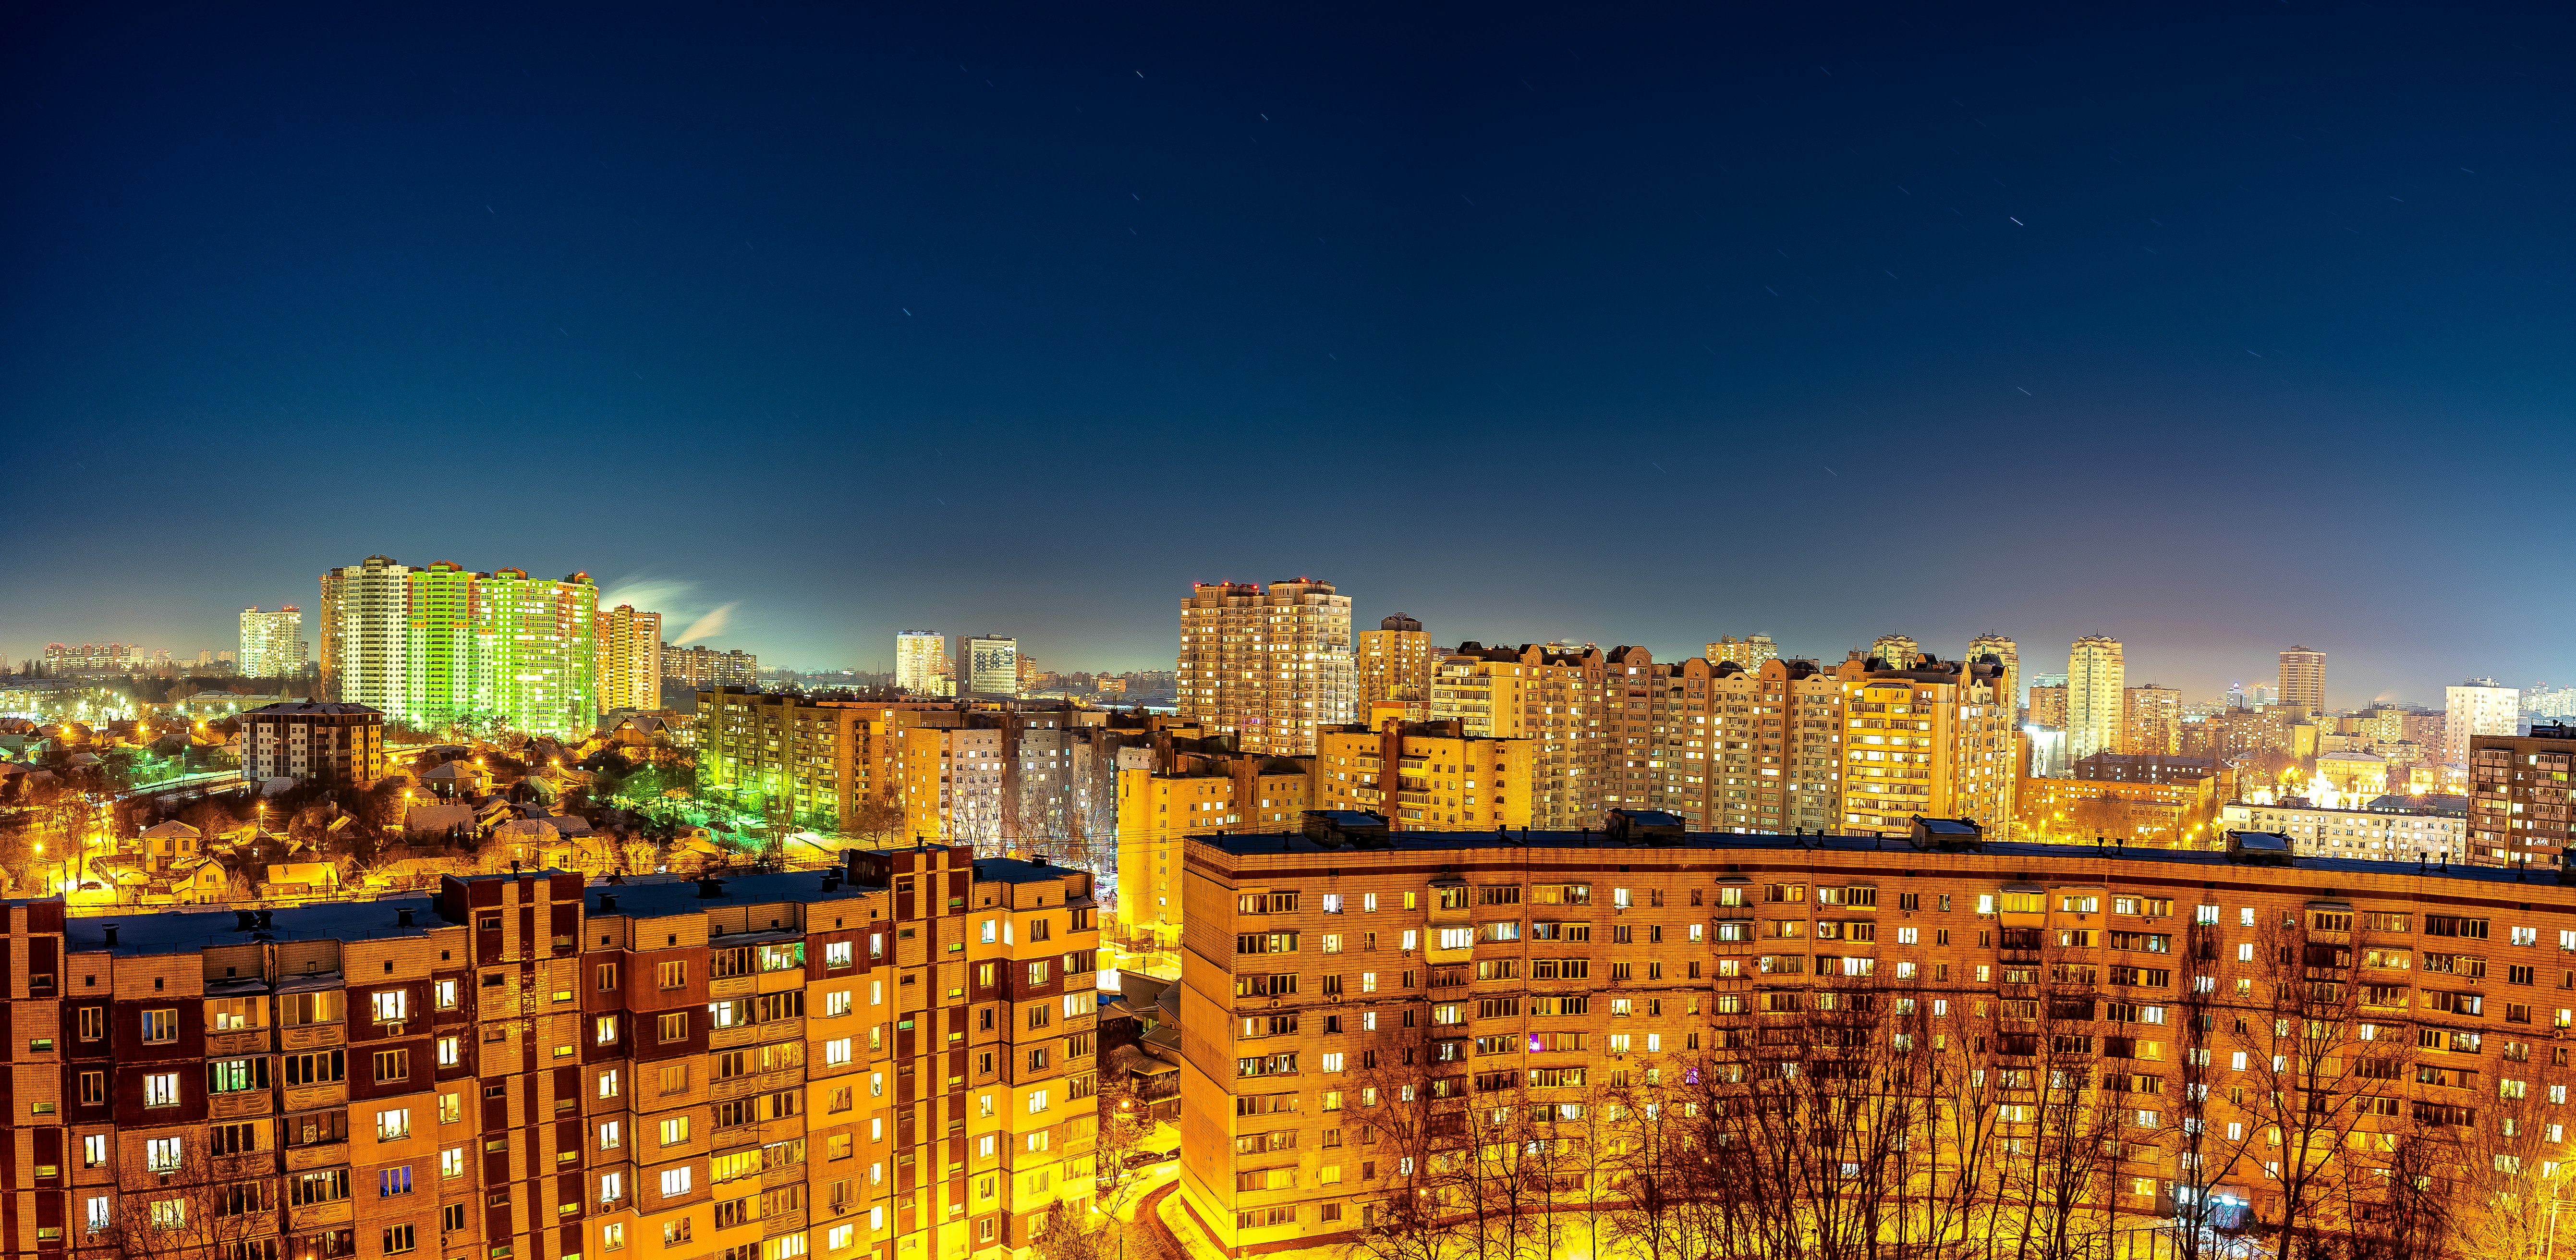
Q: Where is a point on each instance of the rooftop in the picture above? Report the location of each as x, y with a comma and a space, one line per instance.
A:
314, 708
654, 899
1462, 842
187, 931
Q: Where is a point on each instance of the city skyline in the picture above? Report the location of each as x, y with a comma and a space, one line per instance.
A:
2163, 663
1119, 259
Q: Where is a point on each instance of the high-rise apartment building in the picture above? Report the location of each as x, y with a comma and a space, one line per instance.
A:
1931, 742
2008, 654
2518, 796
536, 663
921, 663
443, 644
992, 665
2096, 675
365, 612
323, 742
1774, 747
439, 648
1749, 651
1272, 667
759, 1068
2477, 707
1549, 695
1458, 1003
2303, 679
2150, 720
630, 659
1896, 651
1395, 662
707, 667
272, 643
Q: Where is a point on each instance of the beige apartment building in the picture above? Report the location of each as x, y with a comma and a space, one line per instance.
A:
2007, 653
888, 1061
1933, 742
2303, 679
1547, 694
629, 644
2096, 678
2150, 721
1369, 1017
1750, 651
1395, 663
1180, 791
1774, 748
1270, 666
1442, 778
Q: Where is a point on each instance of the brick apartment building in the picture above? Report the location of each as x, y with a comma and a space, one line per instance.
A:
1535, 974
890, 1061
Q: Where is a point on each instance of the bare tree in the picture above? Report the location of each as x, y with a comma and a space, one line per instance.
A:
1415, 1143
2302, 1031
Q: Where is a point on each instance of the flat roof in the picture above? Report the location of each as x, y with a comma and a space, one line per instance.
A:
188, 931
663, 898
1703, 843
1017, 871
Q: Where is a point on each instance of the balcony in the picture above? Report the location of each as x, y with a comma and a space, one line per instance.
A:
236, 1042
313, 1036
237, 1104
322, 1155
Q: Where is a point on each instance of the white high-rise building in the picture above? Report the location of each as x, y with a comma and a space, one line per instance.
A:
992, 665
2096, 678
921, 662
2477, 707
272, 643
366, 613
1270, 666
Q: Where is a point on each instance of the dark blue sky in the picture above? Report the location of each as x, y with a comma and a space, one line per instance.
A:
2214, 329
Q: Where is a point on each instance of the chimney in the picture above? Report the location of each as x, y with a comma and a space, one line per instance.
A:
710, 888
607, 902
244, 920
402, 917
263, 920
831, 881
110, 929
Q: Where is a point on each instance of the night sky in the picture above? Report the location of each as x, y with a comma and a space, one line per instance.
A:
2213, 329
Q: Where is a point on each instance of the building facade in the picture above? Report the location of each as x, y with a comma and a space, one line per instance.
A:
2477, 707
1751, 651
992, 665
2096, 679
707, 667
272, 643
2150, 721
2405, 829
314, 742
1370, 1020
1423, 776
1271, 666
2518, 798
921, 663
1168, 793
630, 659
2048, 704
2006, 653
2303, 679
64, 660
1936, 741
1772, 744
757, 1069
1395, 662
1549, 695
365, 613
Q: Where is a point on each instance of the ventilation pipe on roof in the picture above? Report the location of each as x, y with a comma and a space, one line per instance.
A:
110, 929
